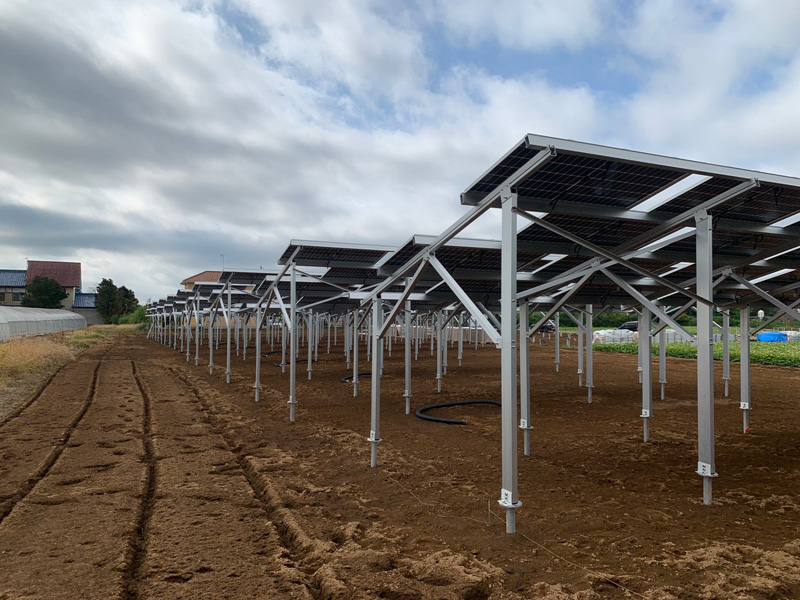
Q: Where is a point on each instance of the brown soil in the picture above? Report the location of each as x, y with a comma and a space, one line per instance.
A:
137, 475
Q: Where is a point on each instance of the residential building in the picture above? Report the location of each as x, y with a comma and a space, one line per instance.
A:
203, 276
12, 286
67, 274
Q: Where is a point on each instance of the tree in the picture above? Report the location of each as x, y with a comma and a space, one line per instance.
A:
108, 301
129, 301
112, 302
43, 292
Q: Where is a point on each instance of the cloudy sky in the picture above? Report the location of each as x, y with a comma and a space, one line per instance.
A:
145, 138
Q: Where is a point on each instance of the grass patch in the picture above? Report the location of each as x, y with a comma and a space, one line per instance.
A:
23, 356
785, 354
26, 355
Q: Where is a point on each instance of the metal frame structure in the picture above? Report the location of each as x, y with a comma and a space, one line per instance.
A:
608, 229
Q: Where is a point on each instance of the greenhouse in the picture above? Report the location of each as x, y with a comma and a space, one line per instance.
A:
17, 321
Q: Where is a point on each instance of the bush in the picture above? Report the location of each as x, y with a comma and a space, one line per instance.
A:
786, 354
139, 315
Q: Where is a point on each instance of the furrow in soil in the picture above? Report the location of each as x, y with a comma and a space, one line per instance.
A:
25, 487
208, 535
68, 536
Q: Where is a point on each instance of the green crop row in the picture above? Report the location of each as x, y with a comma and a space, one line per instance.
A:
785, 354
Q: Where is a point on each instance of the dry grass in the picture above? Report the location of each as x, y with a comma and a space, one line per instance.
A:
26, 355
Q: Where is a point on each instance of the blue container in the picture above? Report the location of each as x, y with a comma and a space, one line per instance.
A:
772, 336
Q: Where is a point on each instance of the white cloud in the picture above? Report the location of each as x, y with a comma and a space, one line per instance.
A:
153, 137
721, 82
342, 42
532, 25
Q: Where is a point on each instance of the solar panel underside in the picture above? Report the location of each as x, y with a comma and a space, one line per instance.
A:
594, 197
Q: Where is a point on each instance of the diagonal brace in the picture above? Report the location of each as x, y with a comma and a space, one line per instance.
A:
787, 310
662, 315
610, 255
465, 300
412, 283
557, 306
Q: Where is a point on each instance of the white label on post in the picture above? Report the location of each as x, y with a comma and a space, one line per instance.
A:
645, 413
523, 424
505, 498
744, 405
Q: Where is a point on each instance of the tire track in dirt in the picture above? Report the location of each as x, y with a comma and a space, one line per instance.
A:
68, 535
137, 545
206, 534
305, 552
344, 557
55, 453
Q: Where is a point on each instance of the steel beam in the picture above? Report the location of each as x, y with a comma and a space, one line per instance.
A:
560, 303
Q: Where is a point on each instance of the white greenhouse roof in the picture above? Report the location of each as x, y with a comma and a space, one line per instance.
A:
19, 321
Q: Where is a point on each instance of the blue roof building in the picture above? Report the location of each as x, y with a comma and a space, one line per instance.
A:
12, 278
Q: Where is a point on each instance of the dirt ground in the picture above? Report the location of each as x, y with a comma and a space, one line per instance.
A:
135, 474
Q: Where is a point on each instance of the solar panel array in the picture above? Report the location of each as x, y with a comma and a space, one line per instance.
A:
592, 192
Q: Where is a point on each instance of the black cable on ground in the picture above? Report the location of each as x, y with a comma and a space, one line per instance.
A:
420, 411
297, 362
350, 377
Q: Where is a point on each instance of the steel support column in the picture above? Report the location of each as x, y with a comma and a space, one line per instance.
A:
355, 353
662, 360
509, 494
439, 351
292, 344
524, 377
228, 350
646, 358
589, 351
744, 367
375, 405
311, 342
407, 344
706, 467
558, 340
257, 384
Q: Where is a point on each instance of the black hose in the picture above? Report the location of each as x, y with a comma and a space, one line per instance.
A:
420, 411
350, 377
302, 360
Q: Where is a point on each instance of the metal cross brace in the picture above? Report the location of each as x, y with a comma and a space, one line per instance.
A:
662, 315
539, 160
612, 256
768, 297
464, 298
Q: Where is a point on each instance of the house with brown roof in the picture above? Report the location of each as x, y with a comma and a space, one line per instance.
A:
204, 276
67, 274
